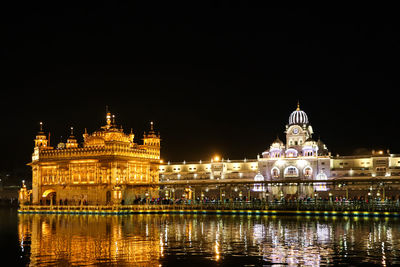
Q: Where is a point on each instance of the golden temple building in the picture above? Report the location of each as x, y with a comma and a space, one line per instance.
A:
108, 168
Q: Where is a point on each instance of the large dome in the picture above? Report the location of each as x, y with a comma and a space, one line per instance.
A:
298, 117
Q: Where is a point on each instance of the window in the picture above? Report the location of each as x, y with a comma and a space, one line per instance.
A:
307, 172
275, 172
291, 171
291, 153
308, 153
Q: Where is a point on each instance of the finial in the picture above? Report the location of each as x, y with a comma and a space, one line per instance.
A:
108, 116
113, 119
298, 105
72, 131
85, 131
131, 131
151, 126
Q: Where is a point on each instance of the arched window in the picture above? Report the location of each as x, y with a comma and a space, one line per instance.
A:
291, 171
275, 153
307, 172
291, 153
321, 186
258, 187
275, 172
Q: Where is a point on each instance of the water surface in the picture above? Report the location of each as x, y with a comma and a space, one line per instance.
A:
198, 240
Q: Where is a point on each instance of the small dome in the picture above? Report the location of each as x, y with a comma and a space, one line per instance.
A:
310, 141
61, 145
259, 177
298, 117
278, 141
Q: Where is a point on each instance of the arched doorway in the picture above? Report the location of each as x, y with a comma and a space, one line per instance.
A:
108, 197
49, 197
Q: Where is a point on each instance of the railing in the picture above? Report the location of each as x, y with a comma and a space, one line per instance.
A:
374, 206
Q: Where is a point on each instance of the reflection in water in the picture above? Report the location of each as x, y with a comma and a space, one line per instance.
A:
86, 240
199, 239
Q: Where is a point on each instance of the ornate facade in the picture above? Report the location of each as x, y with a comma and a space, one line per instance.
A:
109, 167
300, 158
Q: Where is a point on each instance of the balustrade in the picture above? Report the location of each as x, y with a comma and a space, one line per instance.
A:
373, 206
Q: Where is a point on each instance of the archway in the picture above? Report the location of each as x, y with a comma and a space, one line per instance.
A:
108, 197
50, 197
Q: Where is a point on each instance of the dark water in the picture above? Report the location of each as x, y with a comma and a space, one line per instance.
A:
197, 240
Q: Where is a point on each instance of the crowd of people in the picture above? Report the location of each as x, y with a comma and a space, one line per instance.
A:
305, 200
211, 200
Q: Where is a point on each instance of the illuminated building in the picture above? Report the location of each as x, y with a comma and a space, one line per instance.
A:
109, 167
301, 158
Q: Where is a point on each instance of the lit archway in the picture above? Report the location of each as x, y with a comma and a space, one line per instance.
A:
307, 171
291, 171
47, 192
49, 197
321, 186
275, 172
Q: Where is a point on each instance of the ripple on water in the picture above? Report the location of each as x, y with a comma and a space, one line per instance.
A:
199, 240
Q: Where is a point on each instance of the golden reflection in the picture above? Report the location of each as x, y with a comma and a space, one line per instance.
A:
86, 240
152, 239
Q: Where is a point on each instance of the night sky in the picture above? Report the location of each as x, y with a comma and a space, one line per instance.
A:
214, 79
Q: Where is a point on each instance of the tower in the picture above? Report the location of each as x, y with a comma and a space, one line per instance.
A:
41, 140
151, 141
298, 130
71, 141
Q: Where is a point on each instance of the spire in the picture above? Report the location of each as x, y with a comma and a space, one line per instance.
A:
108, 116
298, 105
277, 140
151, 126
71, 141
131, 135
41, 140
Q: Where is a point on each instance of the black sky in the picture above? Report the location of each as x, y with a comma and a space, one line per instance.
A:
214, 79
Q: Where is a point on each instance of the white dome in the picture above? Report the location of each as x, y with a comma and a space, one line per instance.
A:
259, 177
298, 117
